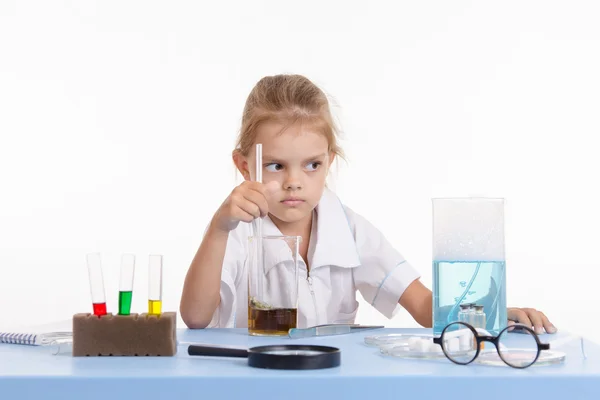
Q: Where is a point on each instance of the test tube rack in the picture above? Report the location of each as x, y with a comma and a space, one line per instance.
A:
124, 335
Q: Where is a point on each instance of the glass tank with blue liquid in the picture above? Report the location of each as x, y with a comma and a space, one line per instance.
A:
469, 264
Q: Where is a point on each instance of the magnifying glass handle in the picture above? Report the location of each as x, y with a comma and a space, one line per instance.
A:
216, 351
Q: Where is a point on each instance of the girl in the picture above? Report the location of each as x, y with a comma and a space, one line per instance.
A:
341, 251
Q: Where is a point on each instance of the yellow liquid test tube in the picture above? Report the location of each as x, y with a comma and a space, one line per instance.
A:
155, 284
154, 307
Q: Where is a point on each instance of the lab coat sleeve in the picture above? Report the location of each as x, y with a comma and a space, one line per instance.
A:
384, 274
224, 315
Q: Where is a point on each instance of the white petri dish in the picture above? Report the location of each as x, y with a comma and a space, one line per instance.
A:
407, 352
395, 339
546, 358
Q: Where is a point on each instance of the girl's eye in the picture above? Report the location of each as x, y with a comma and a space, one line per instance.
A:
274, 167
313, 166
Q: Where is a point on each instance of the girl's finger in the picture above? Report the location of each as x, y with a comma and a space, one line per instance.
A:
511, 323
536, 319
266, 189
249, 207
243, 216
271, 188
519, 316
259, 200
548, 326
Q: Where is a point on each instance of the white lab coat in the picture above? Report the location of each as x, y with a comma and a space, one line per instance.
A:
346, 253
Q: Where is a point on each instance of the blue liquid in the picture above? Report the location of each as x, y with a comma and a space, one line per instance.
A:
459, 282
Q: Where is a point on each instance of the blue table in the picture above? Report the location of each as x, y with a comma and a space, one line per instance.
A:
34, 373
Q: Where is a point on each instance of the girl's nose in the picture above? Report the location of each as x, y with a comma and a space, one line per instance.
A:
292, 183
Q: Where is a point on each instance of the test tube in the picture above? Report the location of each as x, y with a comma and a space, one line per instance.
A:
94, 264
126, 283
479, 317
463, 314
155, 284
470, 313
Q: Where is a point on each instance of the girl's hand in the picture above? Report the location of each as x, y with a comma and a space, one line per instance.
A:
531, 318
246, 202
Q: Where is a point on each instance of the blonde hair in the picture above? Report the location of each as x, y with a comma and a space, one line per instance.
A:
287, 99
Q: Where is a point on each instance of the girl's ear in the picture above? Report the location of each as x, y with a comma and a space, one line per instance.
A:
331, 157
241, 163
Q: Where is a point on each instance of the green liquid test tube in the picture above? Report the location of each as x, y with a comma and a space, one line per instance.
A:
126, 283
125, 302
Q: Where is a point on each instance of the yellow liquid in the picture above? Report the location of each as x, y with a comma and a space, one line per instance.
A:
272, 322
154, 307
481, 346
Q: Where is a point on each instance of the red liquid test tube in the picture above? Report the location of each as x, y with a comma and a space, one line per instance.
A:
94, 264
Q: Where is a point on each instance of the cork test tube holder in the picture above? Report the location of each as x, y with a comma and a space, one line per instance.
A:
124, 335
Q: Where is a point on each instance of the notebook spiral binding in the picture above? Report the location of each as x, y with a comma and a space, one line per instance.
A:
33, 339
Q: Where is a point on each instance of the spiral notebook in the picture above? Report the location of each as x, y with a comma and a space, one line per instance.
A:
34, 339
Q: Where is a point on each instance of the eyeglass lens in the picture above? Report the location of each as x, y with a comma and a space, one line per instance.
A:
459, 343
518, 348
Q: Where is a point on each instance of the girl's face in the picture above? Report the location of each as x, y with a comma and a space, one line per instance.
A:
298, 160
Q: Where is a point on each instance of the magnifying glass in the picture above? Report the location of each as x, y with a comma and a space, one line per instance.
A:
291, 356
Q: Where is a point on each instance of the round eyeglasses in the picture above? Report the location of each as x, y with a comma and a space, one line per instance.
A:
517, 345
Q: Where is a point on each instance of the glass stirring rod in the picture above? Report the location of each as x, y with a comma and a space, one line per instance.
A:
155, 284
94, 264
257, 223
126, 283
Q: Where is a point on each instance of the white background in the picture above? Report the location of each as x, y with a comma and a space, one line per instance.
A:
118, 118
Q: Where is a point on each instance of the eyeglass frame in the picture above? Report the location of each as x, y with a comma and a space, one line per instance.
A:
492, 339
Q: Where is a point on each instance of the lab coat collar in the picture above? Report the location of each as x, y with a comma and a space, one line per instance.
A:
335, 244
